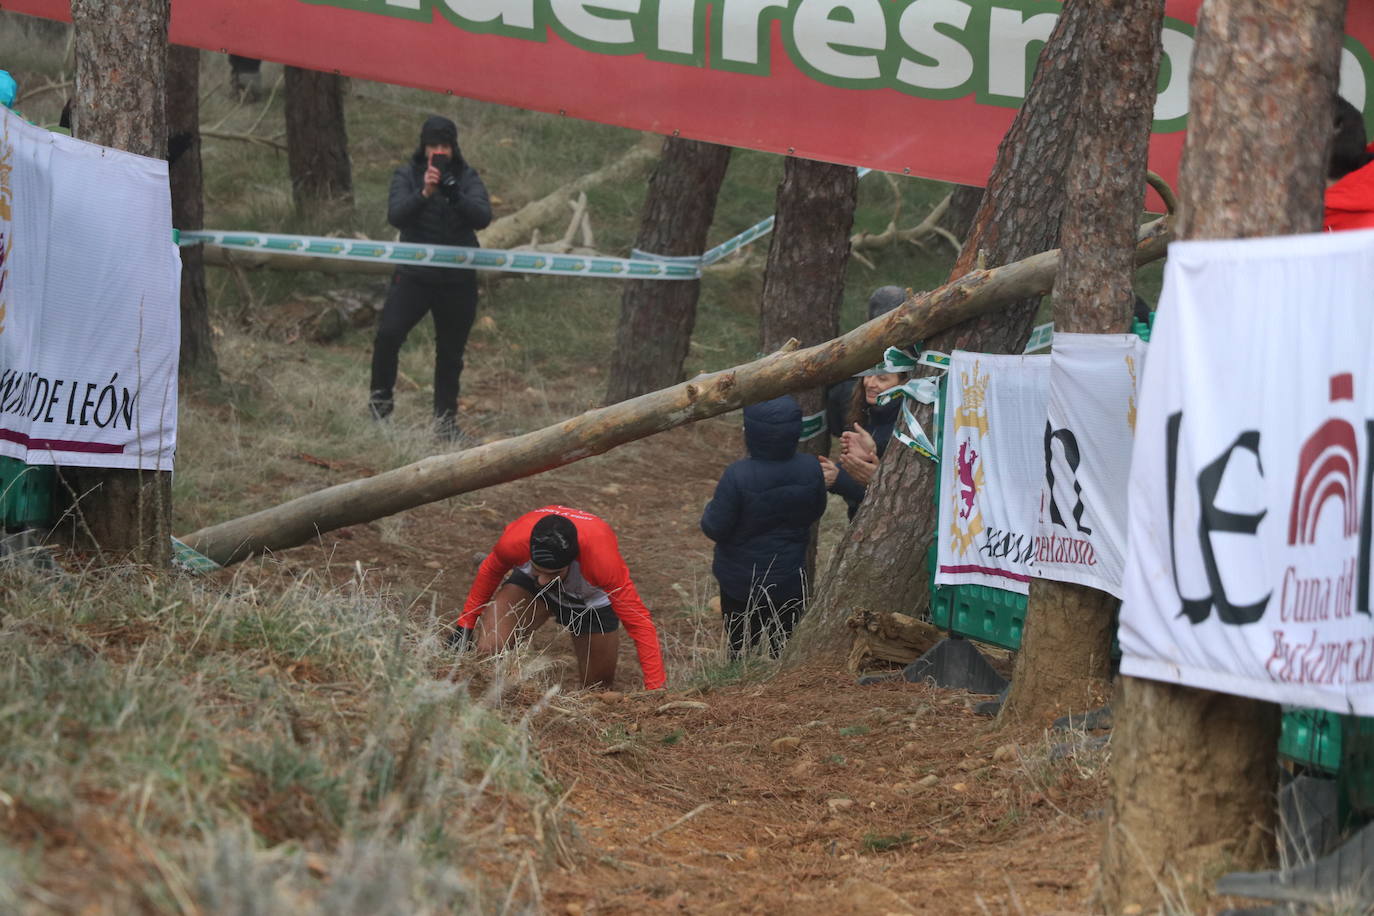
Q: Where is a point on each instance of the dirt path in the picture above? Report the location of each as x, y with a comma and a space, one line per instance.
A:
801, 793
809, 794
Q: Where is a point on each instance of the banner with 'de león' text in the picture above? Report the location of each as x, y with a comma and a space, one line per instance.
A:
920, 87
990, 469
89, 303
1081, 532
1248, 570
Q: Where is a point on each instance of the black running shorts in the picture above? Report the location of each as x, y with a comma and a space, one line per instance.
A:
571, 613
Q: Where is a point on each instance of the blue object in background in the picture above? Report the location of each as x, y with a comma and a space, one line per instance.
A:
9, 89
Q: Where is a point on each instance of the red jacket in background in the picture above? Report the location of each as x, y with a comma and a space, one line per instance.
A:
1350, 201
598, 562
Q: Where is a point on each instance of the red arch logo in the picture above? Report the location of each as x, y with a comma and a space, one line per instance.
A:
1328, 467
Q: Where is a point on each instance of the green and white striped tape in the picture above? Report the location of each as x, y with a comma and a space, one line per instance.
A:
812, 426
188, 558
924, 390
1041, 338
399, 253
641, 265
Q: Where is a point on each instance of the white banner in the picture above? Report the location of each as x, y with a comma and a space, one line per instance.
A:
991, 467
1248, 568
90, 322
1080, 535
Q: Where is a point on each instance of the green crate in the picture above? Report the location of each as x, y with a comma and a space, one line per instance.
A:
990, 615
1356, 776
26, 494
1311, 737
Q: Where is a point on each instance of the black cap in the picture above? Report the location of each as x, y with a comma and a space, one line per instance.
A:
884, 300
553, 542
438, 129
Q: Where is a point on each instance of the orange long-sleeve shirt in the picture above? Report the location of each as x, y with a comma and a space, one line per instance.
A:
598, 563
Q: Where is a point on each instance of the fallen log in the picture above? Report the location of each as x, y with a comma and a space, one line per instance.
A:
596, 431
889, 637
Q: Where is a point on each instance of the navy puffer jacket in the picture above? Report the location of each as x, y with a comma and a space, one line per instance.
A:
764, 506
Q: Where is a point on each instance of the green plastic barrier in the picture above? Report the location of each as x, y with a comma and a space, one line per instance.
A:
26, 494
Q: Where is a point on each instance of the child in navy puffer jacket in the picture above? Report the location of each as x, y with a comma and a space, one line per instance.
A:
761, 518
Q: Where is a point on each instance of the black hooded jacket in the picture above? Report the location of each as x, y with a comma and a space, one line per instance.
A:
764, 506
451, 216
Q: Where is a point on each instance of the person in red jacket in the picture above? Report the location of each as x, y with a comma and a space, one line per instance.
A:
1350, 178
563, 564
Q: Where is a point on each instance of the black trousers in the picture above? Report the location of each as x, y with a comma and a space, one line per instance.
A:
454, 307
766, 610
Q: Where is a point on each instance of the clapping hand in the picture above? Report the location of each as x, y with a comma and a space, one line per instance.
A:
829, 470
858, 442
859, 454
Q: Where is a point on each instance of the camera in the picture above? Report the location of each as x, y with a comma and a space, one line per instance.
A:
448, 181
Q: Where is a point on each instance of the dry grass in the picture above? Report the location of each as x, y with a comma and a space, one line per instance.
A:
239, 745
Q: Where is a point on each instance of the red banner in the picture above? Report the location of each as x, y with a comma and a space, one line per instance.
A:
919, 87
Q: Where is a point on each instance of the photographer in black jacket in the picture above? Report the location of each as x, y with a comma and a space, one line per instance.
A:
436, 199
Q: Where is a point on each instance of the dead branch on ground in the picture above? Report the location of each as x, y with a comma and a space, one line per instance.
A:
889, 637
916, 235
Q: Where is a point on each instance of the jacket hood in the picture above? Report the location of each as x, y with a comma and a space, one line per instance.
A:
773, 428
1350, 201
437, 129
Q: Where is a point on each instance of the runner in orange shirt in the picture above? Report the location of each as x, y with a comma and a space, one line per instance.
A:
563, 564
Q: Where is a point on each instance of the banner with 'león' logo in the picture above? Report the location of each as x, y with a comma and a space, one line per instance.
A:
90, 321
990, 469
1248, 569
1081, 531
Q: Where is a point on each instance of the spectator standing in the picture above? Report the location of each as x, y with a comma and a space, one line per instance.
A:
760, 518
436, 198
868, 428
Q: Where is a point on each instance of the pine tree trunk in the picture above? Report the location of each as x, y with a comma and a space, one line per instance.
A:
964, 202
881, 562
803, 282
317, 142
188, 210
1064, 662
119, 512
656, 318
1194, 772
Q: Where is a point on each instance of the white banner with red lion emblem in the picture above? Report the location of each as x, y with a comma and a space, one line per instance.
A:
90, 321
1081, 530
991, 466
1248, 567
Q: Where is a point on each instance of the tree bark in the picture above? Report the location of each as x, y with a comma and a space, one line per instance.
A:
1064, 660
188, 210
1193, 772
596, 431
881, 560
656, 320
317, 142
803, 281
118, 101
964, 202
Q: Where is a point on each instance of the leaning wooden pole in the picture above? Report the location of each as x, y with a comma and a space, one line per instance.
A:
596, 431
